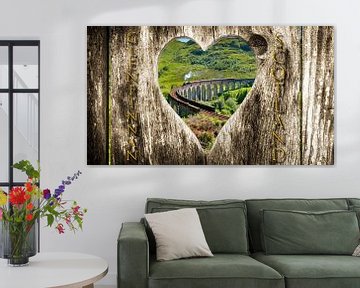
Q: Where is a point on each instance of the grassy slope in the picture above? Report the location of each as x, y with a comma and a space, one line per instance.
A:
227, 58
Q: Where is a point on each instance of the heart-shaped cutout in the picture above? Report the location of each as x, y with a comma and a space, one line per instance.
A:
205, 87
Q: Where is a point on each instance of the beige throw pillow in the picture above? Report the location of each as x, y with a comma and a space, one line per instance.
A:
178, 234
357, 251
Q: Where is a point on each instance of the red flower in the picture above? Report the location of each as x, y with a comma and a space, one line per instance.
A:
68, 219
29, 217
29, 206
29, 186
75, 209
60, 228
17, 196
27, 196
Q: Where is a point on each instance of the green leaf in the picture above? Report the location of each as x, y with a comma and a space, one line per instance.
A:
53, 211
79, 221
50, 219
26, 167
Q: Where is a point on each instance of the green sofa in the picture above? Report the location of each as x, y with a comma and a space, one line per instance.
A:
234, 232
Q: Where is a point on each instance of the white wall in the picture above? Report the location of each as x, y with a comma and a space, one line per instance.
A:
117, 194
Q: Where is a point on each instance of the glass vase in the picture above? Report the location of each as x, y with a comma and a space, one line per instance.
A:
18, 242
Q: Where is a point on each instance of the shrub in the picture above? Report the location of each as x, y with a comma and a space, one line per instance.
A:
205, 127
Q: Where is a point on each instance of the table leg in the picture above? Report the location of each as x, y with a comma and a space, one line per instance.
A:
89, 286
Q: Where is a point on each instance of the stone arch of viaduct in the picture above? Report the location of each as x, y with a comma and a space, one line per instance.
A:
186, 99
208, 89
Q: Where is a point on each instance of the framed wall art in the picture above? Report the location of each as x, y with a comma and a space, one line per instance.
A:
210, 95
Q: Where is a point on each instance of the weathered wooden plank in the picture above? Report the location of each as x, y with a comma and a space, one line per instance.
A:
97, 91
266, 127
145, 129
318, 96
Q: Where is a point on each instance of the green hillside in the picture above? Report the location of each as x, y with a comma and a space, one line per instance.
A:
227, 58
182, 60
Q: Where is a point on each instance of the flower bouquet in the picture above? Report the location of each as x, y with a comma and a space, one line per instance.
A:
21, 208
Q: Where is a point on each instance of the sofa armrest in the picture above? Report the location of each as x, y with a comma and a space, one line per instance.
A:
133, 256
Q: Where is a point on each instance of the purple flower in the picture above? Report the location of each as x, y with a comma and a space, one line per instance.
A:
68, 181
58, 192
46, 194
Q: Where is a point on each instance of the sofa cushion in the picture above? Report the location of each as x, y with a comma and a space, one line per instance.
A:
255, 206
297, 232
354, 205
356, 209
178, 234
224, 221
314, 271
222, 270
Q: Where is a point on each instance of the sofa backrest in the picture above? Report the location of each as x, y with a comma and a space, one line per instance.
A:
353, 202
256, 205
223, 221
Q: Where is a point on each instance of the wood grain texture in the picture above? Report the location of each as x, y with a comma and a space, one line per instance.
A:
247, 137
161, 136
146, 130
97, 91
318, 96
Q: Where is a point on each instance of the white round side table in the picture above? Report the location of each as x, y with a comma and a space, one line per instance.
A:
50, 270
